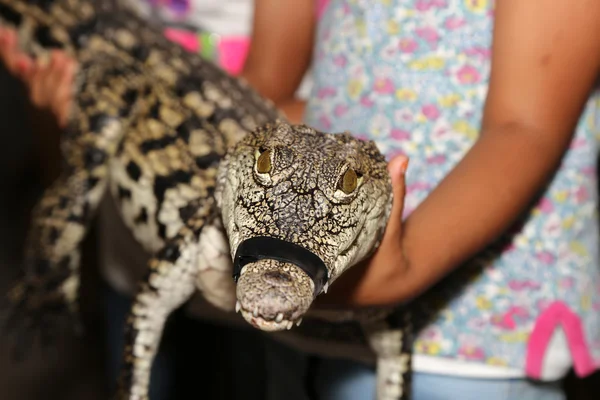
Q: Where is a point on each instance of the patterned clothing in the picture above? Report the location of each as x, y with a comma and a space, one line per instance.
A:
217, 30
413, 76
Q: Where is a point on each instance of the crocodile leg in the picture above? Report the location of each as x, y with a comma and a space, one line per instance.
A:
46, 295
50, 279
391, 340
169, 283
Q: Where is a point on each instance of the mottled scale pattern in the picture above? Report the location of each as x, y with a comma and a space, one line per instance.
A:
175, 140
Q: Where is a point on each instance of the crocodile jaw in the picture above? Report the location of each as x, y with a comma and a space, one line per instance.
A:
273, 295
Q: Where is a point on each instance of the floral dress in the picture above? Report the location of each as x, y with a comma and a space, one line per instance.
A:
413, 76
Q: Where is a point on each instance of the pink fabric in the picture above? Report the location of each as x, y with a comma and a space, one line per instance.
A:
321, 6
188, 40
558, 313
232, 51
232, 54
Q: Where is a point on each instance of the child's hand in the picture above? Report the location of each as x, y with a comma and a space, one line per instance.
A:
363, 284
10, 55
49, 84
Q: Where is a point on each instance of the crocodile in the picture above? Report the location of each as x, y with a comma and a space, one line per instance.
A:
258, 215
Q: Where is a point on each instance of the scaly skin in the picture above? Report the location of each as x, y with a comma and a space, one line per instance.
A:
300, 200
151, 124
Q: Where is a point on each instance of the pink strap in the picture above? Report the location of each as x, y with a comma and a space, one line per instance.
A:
558, 314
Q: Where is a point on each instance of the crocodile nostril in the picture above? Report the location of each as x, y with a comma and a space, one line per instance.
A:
277, 278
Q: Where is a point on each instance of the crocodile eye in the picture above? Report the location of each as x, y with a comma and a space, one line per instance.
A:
263, 163
349, 181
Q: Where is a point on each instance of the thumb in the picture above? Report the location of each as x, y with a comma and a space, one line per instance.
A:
24, 67
397, 170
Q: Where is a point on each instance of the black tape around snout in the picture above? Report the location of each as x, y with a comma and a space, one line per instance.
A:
264, 247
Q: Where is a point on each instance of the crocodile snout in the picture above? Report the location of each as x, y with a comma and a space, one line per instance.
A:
273, 295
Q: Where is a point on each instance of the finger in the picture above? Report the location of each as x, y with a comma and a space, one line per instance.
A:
397, 170
64, 95
50, 83
11, 55
24, 67
54, 73
67, 78
3, 45
39, 82
33, 81
16, 61
8, 49
27, 70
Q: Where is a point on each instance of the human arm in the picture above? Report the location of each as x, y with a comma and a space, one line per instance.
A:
49, 87
280, 52
546, 57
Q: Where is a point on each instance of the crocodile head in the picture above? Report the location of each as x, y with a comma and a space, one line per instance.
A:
299, 207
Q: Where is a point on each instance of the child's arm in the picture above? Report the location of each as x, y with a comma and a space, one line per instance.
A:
546, 56
280, 51
49, 86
